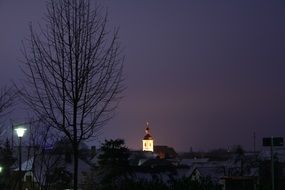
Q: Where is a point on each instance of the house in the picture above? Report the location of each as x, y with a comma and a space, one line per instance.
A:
51, 168
212, 173
28, 180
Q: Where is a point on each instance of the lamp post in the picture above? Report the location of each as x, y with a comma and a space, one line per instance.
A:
20, 133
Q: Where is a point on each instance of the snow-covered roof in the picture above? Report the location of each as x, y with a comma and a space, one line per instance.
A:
215, 173
190, 162
26, 165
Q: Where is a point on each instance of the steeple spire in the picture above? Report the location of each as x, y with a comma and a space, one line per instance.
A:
147, 128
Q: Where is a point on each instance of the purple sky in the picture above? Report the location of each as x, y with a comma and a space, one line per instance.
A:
204, 73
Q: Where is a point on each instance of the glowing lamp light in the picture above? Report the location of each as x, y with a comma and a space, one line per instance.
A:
20, 131
1, 169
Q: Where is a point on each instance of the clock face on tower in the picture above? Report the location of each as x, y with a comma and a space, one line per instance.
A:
148, 145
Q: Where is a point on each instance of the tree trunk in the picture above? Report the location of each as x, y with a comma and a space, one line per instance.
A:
75, 166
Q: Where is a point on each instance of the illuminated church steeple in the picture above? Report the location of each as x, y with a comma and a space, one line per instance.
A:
147, 140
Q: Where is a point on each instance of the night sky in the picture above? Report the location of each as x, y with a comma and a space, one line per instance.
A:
204, 73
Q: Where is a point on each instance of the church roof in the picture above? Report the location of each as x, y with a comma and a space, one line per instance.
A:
147, 137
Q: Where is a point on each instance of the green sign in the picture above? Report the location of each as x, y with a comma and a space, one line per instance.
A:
277, 141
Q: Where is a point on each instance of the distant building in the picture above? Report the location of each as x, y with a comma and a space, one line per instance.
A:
165, 152
147, 140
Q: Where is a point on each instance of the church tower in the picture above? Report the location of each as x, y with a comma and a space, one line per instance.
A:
147, 140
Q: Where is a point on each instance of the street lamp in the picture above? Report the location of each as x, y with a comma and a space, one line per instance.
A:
1, 169
20, 133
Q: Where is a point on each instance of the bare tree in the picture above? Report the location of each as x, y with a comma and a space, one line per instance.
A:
73, 68
7, 95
